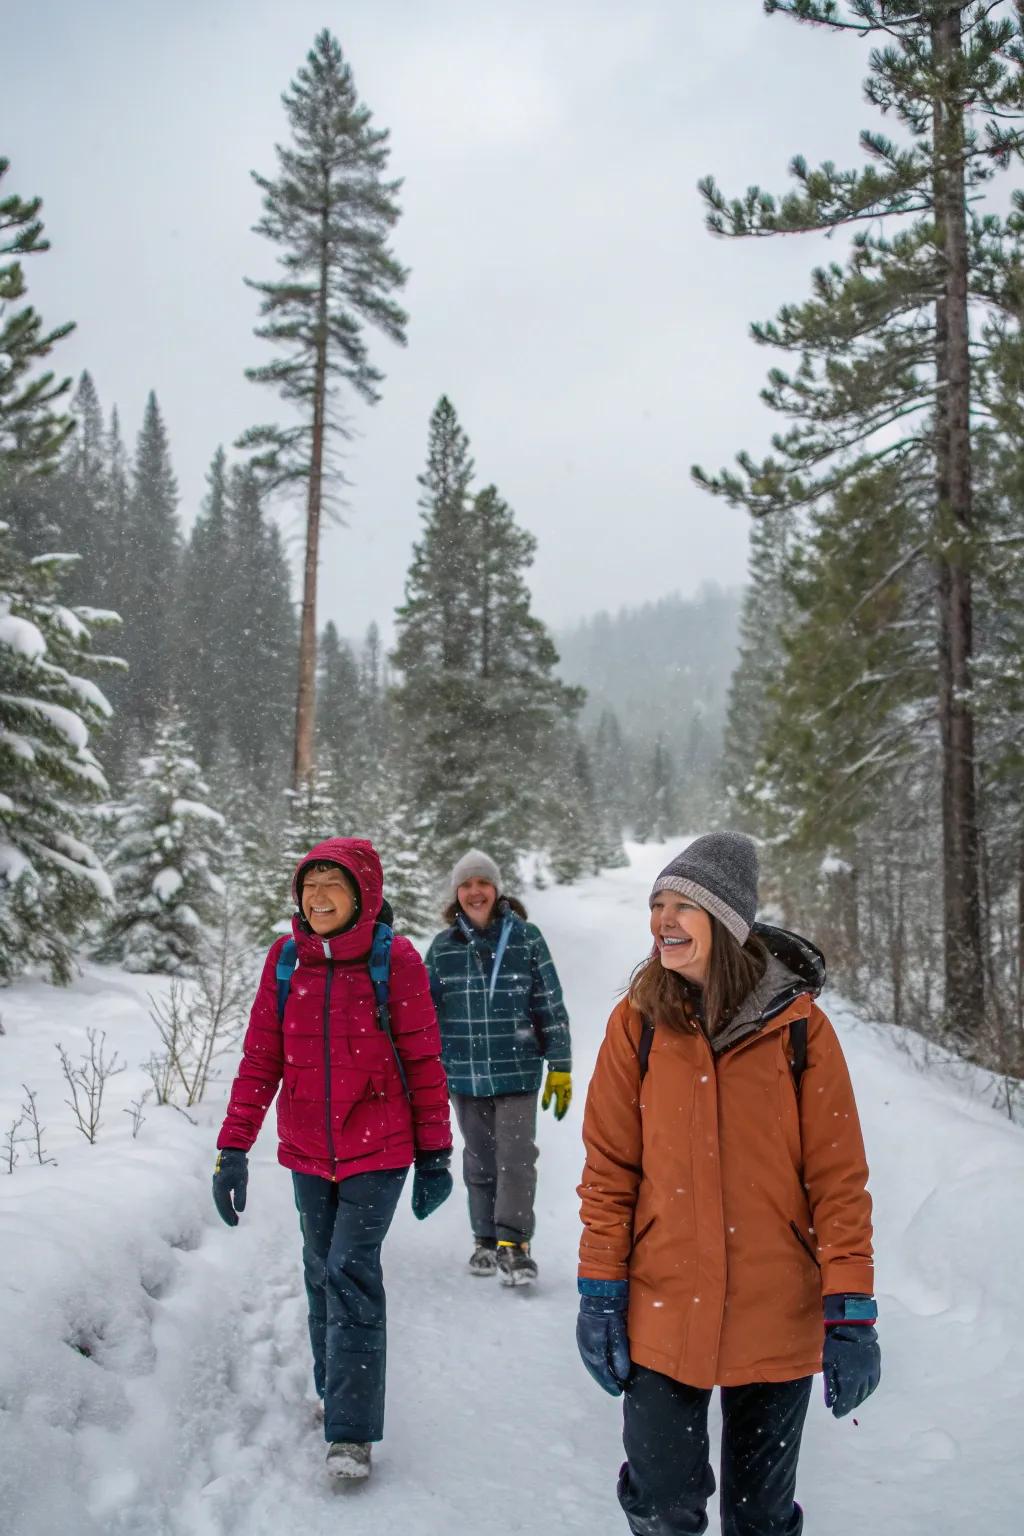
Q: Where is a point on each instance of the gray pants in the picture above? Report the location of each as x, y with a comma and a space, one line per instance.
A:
499, 1163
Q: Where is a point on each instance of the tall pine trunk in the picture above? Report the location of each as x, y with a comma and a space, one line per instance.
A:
1020, 942
964, 964
305, 709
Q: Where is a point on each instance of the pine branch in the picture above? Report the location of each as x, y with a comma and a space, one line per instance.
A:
890, 576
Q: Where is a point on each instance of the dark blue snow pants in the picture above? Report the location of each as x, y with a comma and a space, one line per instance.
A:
343, 1227
666, 1481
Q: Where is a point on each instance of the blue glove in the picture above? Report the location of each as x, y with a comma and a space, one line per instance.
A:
601, 1336
230, 1177
431, 1183
851, 1358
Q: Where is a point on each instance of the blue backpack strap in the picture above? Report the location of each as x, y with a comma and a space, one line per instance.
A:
499, 954
287, 960
380, 976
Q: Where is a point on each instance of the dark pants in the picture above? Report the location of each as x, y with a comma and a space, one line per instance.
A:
499, 1163
667, 1480
343, 1227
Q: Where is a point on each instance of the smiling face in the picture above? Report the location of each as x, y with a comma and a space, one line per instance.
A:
683, 935
477, 898
328, 900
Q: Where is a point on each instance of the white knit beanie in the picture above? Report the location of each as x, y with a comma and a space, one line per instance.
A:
474, 865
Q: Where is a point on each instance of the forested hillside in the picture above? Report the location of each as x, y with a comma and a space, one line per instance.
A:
658, 678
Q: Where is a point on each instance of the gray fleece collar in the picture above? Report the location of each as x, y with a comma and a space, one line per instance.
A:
777, 983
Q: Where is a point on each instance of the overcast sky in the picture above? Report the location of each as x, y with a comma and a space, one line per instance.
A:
564, 293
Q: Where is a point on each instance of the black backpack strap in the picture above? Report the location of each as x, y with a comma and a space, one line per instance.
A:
643, 1050
798, 1049
797, 1045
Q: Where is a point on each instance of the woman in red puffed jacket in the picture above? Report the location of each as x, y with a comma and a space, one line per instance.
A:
363, 1096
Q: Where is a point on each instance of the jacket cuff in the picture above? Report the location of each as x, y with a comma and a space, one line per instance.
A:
615, 1289
229, 1142
559, 1063
849, 1308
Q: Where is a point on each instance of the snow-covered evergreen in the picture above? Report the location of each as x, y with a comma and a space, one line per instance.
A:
402, 836
166, 842
52, 883
479, 705
313, 814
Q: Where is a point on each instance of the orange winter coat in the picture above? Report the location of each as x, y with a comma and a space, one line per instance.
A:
730, 1206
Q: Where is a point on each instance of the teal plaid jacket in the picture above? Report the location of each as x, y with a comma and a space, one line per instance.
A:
493, 1044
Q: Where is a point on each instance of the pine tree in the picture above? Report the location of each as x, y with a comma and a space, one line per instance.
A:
150, 576
32, 433
257, 636
436, 620
340, 721
84, 497
613, 770
203, 663
479, 706
574, 849
52, 884
378, 724
331, 211
888, 371
165, 860
766, 608
268, 872
314, 813
655, 817
386, 814
853, 701
116, 581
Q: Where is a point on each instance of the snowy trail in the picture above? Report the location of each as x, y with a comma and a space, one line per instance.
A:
192, 1414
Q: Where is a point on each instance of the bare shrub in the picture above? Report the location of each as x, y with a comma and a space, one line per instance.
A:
10, 1152
200, 1018
135, 1109
88, 1080
30, 1116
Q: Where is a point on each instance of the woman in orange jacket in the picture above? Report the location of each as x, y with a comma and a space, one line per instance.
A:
727, 1226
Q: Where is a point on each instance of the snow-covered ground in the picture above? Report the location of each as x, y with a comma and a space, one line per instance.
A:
154, 1373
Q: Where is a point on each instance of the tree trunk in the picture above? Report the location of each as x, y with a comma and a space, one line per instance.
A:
485, 605
1020, 943
964, 968
305, 709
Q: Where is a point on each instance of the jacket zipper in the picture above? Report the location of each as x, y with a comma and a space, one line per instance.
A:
327, 1063
804, 1244
713, 1075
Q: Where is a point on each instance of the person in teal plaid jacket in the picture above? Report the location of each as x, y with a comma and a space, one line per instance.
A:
499, 1005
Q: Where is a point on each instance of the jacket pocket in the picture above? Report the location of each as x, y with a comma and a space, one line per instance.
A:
804, 1244
641, 1231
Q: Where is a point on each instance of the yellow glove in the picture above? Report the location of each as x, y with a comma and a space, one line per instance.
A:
559, 1088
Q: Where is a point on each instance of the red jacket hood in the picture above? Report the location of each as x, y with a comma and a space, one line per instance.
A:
360, 858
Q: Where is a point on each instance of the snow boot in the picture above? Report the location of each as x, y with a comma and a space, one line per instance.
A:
483, 1261
515, 1266
348, 1460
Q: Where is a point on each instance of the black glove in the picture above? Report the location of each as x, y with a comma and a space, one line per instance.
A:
601, 1336
431, 1183
230, 1177
851, 1358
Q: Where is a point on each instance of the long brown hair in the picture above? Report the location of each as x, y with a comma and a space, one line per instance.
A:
734, 970
453, 909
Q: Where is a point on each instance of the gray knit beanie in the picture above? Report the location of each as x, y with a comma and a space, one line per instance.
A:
474, 865
718, 872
